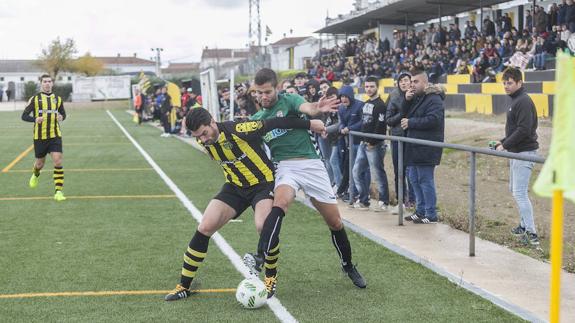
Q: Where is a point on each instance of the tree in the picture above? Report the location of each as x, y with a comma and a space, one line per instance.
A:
57, 56
88, 65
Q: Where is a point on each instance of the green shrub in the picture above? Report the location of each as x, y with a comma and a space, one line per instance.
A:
63, 90
30, 89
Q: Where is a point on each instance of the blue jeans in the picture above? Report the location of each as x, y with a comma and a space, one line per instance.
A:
335, 160
539, 61
519, 175
370, 161
406, 188
325, 149
424, 187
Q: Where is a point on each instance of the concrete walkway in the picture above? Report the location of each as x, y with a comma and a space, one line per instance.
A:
513, 281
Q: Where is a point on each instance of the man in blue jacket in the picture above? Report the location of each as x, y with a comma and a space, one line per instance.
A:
349, 114
424, 119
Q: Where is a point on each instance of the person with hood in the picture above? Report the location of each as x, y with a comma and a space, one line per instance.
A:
394, 115
424, 119
371, 151
349, 114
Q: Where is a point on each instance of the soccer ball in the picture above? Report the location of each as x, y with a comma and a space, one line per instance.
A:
252, 293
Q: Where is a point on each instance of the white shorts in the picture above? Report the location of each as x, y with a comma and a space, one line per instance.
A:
308, 175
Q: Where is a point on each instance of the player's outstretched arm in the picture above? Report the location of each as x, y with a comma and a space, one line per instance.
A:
324, 105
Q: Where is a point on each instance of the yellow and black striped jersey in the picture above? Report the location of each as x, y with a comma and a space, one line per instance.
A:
239, 149
48, 106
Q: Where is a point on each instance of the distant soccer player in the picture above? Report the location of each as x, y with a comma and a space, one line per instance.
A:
237, 147
299, 167
47, 111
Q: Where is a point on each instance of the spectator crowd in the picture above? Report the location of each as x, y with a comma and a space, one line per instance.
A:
442, 50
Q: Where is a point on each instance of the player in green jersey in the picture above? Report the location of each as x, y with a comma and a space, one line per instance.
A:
299, 166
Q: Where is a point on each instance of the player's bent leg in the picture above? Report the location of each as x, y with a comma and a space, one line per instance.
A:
216, 215
332, 217
38, 165
284, 195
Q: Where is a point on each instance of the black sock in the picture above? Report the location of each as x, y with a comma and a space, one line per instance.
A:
269, 238
341, 244
193, 258
36, 171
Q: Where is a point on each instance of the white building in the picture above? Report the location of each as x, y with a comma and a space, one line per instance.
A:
216, 58
127, 64
293, 52
14, 73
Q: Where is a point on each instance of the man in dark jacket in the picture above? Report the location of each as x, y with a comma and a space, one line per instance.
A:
424, 120
349, 115
393, 118
488, 27
370, 154
520, 137
165, 103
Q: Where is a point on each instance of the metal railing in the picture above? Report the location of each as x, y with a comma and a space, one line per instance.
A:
473, 151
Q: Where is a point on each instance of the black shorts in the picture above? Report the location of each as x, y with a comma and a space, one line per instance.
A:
240, 198
46, 146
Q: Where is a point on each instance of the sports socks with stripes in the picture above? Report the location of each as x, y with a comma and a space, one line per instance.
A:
268, 245
58, 178
343, 247
193, 258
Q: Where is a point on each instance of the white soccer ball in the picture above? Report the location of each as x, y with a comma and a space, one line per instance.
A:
252, 293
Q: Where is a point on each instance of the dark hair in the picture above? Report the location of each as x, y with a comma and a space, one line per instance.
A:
198, 117
325, 81
331, 91
266, 75
371, 79
512, 73
416, 71
292, 87
45, 76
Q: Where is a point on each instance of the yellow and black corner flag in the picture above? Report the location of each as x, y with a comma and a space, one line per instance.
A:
557, 178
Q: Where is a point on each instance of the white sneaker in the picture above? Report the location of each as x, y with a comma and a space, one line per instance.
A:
380, 207
360, 206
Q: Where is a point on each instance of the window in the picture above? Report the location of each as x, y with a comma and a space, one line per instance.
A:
2, 78
69, 78
22, 78
60, 78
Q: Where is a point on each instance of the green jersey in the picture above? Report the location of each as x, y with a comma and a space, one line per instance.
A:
288, 143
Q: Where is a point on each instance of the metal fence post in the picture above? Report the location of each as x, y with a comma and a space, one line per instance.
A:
400, 179
472, 205
350, 164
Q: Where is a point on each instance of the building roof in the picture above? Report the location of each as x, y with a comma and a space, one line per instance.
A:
224, 53
289, 41
124, 60
399, 12
20, 66
181, 68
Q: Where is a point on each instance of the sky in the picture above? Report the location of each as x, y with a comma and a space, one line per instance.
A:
181, 27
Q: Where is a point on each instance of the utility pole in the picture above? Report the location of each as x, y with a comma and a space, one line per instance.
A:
158, 61
255, 27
